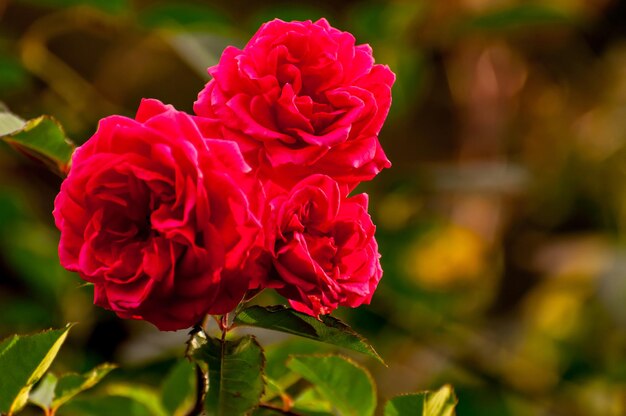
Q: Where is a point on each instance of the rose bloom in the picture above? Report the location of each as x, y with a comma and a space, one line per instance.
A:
301, 99
157, 217
324, 250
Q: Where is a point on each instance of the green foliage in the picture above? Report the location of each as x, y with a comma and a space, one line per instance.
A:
107, 406
53, 392
278, 376
312, 403
44, 394
439, 403
41, 138
328, 329
23, 361
518, 16
12, 74
110, 6
339, 380
235, 374
177, 388
142, 396
9, 123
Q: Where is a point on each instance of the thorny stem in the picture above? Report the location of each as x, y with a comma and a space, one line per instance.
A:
224, 327
201, 384
201, 378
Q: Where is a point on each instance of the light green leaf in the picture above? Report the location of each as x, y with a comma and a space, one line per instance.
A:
143, 395
43, 394
273, 389
69, 385
235, 375
328, 330
340, 381
10, 123
177, 391
41, 138
23, 361
312, 403
439, 403
276, 357
107, 406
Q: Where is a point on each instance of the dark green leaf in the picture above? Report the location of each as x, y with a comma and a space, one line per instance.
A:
41, 138
328, 330
439, 403
235, 375
340, 381
177, 391
23, 361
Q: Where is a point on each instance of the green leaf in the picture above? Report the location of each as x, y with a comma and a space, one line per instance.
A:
273, 389
41, 138
312, 403
177, 391
328, 329
276, 356
10, 123
69, 385
339, 380
235, 375
23, 361
439, 403
43, 394
107, 406
147, 397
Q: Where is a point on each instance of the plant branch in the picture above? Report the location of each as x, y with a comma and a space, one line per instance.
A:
201, 384
201, 377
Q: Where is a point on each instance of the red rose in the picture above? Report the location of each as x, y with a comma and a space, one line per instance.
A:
157, 217
301, 99
324, 249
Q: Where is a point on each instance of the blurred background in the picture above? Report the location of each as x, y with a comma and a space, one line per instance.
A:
502, 222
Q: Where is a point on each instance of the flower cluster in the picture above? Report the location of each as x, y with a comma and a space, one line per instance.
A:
174, 216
